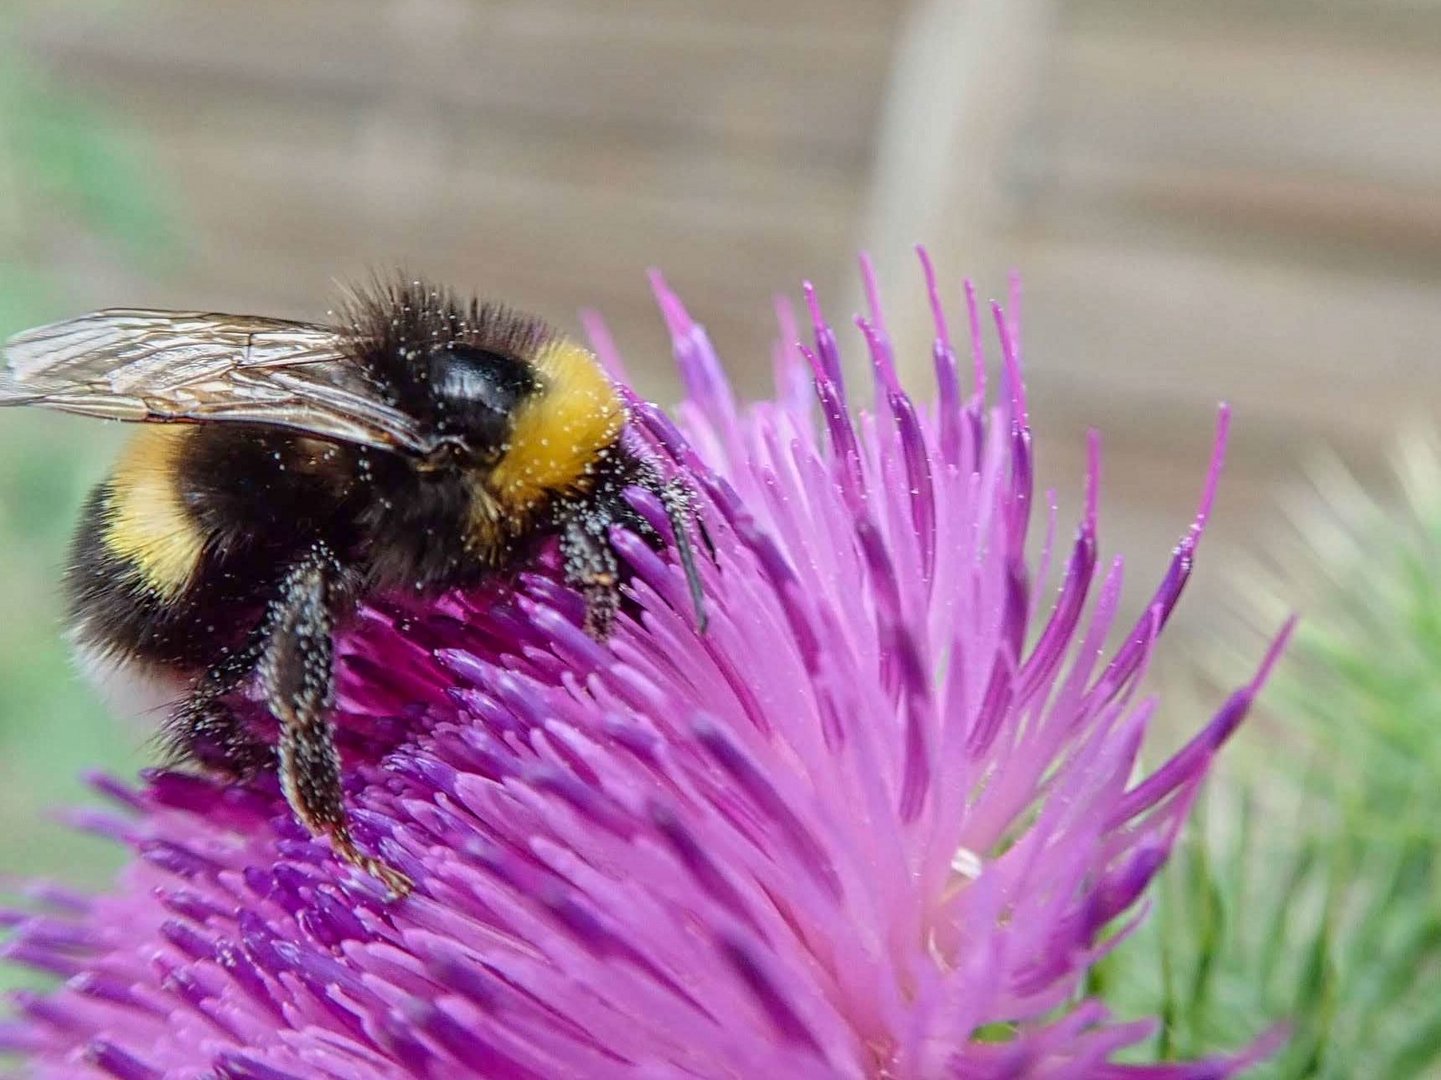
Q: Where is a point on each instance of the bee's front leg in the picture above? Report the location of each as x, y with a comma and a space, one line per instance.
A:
675, 498
297, 673
589, 560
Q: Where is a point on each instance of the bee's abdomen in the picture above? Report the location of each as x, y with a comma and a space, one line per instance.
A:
115, 609
141, 579
179, 551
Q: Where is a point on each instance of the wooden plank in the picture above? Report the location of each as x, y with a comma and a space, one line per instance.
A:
1304, 347
1395, 24
1311, 219
1220, 99
768, 80
502, 234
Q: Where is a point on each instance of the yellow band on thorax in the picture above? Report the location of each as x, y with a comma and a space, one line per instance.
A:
557, 434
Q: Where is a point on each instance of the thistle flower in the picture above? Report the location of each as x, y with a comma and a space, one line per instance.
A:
878, 820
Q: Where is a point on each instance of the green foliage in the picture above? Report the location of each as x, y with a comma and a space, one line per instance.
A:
1312, 891
70, 181
61, 161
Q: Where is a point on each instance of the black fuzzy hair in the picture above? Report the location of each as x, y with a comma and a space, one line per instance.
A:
393, 324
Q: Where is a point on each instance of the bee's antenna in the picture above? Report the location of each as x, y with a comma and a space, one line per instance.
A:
675, 498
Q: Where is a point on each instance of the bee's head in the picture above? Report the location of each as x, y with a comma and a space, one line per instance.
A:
460, 367
500, 391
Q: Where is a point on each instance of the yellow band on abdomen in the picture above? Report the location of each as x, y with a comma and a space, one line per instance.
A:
146, 522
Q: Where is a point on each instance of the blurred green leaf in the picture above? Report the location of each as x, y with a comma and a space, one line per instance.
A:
1328, 913
66, 168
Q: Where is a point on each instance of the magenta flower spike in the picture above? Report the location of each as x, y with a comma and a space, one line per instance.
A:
877, 821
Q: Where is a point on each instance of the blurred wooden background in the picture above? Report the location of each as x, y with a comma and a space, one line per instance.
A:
1206, 198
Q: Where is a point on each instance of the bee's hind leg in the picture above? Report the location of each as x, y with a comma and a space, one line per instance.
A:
205, 729
296, 671
208, 731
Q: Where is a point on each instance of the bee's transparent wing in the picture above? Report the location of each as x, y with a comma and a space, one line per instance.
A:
140, 365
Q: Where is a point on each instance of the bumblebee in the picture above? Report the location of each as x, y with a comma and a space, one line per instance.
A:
423, 443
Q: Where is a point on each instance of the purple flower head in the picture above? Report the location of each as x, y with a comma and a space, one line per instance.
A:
877, 821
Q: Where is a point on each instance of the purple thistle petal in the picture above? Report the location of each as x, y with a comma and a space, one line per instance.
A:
856, 822
1192, 760
827, 350
918, 479
978, 348
838, 424
1124, 666
117, 1062
1011, 368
